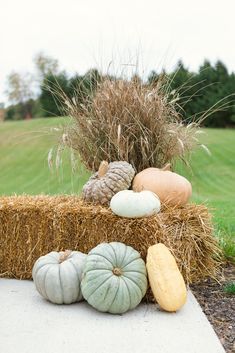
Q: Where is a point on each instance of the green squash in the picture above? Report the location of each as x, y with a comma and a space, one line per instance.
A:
114, 278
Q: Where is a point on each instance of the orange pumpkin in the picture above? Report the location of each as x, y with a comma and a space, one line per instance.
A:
171, 188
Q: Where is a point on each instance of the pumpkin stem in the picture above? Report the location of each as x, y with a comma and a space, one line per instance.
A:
167, 167
64, 255
117, 271
103, 168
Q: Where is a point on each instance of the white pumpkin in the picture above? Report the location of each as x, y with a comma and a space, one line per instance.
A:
131, 204
57, 276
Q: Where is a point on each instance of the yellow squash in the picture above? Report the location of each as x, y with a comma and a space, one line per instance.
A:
165, 279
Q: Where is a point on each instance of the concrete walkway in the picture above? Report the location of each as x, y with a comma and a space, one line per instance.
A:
29, 324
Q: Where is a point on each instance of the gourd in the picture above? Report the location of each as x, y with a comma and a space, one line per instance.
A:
130, 204
110, 178
171, 188
57, 276
165, 279
114, 278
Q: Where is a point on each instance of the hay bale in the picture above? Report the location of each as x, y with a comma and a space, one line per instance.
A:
31, 226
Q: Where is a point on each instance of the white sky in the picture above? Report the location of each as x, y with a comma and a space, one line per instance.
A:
91, 33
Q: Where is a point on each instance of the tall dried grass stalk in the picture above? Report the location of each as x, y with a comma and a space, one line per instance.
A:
131, 121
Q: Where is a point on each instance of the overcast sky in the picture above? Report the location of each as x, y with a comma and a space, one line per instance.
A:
92, 33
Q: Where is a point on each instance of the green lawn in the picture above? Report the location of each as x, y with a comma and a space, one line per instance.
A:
213, 177
24, 147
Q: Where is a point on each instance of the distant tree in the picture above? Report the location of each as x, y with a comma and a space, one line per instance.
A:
20, 92
213, 86
231, 90
18, 87
153, 77
77, 88
83, 87
2, 112
45, 65
210, 89
180, 77
10, 113
50, 101
90, 81
205, 92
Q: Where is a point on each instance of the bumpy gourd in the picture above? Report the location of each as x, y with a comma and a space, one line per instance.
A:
171, 188
115, 278
110, 179
165, 279
57, 276
130, 204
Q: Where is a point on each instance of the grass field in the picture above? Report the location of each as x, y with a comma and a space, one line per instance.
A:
24, 147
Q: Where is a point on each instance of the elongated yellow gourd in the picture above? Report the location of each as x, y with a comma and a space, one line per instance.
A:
165, 279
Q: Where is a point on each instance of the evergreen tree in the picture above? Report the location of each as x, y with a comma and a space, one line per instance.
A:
49, 99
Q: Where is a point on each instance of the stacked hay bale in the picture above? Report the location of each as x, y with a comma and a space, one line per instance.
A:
31, 226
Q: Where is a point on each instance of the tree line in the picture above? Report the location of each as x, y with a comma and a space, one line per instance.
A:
208, 94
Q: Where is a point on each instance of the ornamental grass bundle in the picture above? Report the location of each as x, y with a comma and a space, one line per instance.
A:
31, 226
128, 120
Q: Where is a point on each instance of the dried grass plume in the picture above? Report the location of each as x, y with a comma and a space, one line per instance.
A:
128, 120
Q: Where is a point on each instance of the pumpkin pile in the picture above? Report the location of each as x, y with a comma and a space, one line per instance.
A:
150, 188
111, 278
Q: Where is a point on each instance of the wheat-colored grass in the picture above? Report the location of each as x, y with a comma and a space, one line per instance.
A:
128, 120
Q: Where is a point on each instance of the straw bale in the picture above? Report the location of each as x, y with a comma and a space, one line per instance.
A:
31, 226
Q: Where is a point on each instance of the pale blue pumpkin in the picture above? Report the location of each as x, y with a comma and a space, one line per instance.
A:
114, 278
57, 276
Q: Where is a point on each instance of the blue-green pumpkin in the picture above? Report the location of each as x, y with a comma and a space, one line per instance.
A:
114, 278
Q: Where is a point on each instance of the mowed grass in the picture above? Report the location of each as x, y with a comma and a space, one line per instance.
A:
213, 180
24, 148
213, 176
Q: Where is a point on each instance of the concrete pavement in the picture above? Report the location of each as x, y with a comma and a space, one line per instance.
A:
30, 324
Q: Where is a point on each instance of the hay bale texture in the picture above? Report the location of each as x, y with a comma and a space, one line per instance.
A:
31, 226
